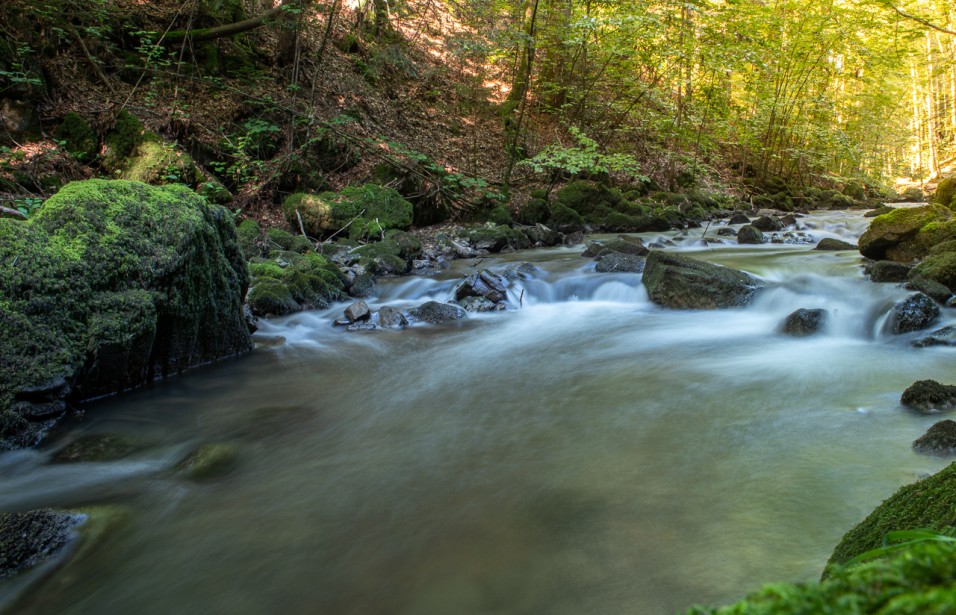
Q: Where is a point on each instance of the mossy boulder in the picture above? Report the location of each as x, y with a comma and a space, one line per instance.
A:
78, 137
939, 268
251, 239
290, 282
940, 439
535, 211
371, 209
829, 243
495, 238
110, 285
945, 194
894, 235
929, 397
586, 197
564, 219
676, 281
913, 581
929, 503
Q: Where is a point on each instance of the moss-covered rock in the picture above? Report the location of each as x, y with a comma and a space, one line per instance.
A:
893, 236
564, 219
585, 197
945, 194
251, 239
78, 137
29, 538
501, 215
110, 285
370, 208
271, 297
677, 281
535, 211
127, 133
910, 582
939, 268
929, 503
209, 461
290, 282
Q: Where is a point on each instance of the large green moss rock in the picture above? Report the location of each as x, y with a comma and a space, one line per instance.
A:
929, 503
371, 209
945, 194
291, 282
585, 197
905, 234
939, 268
676, 281
110, 285
916, 581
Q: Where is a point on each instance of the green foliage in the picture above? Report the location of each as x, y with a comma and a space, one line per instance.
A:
78, 138
583, 157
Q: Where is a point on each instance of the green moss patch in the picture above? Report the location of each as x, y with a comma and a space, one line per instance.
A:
371, 209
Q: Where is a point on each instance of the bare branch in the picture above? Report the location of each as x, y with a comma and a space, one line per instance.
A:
920, 20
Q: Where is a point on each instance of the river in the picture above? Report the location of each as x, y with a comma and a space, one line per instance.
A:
586, 452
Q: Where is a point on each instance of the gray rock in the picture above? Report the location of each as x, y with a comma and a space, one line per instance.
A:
391, 318
28, 538
914, 313
480, 304
520, 271
615, 262
750, 235
739, 218
482, 284
362, 325
358, 311
929, 397
725, 231
677, 281
768, 224
888, 271
541, 235
940, 337
435, 313
940, 439
829, 243
363, 285
804, 322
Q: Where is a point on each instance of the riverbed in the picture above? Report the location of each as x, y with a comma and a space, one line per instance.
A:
583, 452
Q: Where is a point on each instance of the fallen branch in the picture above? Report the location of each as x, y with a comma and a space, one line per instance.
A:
16, 213
202, 35
329, 238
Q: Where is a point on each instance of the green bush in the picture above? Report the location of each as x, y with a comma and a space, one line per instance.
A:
78, 137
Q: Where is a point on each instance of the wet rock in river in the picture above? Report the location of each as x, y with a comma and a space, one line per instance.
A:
940, 439
100, 447
358, 311
887, 271
750, 235
677, 281
615, 262
391, 318
739, 218
435, 313
929, 396
768, 224
940, 337
804, 322
363, 285
480, 304
209, 461
914, 313
725, 231
829, 243
29, 538
933, 289
482, 284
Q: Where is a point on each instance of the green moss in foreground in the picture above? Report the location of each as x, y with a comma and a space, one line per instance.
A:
916, 581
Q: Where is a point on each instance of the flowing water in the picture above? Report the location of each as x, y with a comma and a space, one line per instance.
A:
586, 452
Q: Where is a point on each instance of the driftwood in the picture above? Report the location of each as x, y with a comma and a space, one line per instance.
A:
16, 213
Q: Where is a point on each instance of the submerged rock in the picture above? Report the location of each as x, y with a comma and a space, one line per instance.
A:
100, 447
29, 538
914, 313
804, 322
940, 337
929, 396
209, 461
677, 281
829, 243
940, 439
435, 313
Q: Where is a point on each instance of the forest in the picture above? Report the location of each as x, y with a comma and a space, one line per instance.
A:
487, 306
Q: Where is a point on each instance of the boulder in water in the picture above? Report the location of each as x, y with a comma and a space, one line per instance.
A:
804, 322
940, 439
480, 304
750, 235
767, 224
940, 337
887, 271
829, 243
933, 289
677, 281
391, 318
894, 235
914, 313
616, 262
482, 284
929, 396
358, 311
435, 313
739, 218
29, 538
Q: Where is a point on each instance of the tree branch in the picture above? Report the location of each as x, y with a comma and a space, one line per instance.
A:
203, 35
920, 20
16, 213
